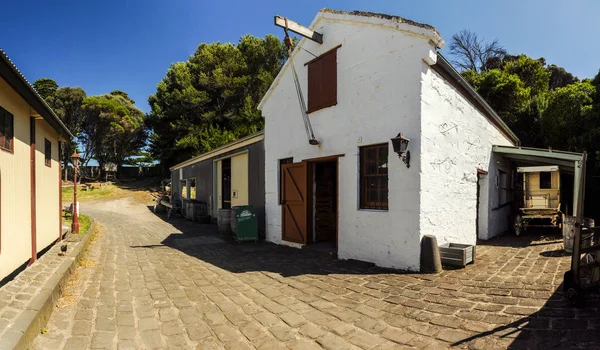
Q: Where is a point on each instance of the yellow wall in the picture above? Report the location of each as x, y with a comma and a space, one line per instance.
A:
15, 186
219, 185
533, 188
47, 204
239, 179
15, 219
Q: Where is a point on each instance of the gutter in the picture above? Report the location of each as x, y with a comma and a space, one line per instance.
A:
449, 69
46, 112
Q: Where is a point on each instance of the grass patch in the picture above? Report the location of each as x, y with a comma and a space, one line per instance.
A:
84, 223
105, 192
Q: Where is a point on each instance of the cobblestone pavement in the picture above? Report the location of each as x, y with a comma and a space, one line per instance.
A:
152, 284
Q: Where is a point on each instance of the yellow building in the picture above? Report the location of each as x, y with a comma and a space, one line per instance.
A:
30, 182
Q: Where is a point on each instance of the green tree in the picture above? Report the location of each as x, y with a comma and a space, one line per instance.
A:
532, 73
559, 77
67, 104
113, 129
212, 98
569, 123
503, 91
45, 87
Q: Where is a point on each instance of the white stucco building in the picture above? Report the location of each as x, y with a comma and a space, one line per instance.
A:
377, 76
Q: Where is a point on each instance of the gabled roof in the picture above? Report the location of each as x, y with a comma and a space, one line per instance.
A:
14, 77
232, 146
397, 23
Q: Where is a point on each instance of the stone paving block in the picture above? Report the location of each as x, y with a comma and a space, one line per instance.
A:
454, 335
84, 314
293, 319
198, 331
126, 332
283, 333
311, 330
82, 328
151, 339
398, 335
103, 340
339, 327
253, 331
267, 319
76, 343
302, 344
127, 345
146, 324
125, 319
226, 333
177, 341
330, 341
168, 314
364, 340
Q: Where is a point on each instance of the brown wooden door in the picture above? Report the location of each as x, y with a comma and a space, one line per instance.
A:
294, 206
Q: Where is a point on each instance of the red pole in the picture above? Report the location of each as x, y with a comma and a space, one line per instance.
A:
75, 224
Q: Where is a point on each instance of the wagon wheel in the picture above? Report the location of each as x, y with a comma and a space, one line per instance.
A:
518, 224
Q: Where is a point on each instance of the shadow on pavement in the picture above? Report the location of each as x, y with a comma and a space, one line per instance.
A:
204, 242
525, 312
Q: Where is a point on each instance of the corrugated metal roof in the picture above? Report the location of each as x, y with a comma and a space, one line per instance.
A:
239, 143
47, 113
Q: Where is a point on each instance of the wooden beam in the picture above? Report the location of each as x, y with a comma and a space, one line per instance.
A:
299, 29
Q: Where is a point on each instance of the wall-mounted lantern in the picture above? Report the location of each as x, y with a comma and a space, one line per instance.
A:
400, 144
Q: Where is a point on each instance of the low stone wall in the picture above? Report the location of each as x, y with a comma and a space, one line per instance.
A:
27, 302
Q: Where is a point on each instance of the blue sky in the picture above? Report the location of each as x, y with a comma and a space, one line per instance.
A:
129, 44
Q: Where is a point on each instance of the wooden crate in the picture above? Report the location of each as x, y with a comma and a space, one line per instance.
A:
456, 254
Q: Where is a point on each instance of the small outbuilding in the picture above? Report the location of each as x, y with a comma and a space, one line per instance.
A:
397, 144
229, 176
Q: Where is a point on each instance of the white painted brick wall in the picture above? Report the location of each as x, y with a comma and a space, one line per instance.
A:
456, 140
379, 73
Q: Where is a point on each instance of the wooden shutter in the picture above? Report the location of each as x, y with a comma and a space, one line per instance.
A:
295, 202
322, 82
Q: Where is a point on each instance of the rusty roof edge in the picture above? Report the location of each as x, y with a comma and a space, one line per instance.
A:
9, 63
443, 63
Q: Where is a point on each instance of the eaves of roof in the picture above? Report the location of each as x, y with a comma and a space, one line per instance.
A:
11, 74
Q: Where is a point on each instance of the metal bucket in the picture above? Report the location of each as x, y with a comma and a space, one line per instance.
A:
224, 220
568, 231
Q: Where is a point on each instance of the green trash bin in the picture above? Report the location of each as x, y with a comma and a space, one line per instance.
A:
246, 226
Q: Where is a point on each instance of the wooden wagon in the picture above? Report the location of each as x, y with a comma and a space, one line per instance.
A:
541, 198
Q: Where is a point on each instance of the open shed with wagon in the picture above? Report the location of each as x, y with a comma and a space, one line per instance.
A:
545, 186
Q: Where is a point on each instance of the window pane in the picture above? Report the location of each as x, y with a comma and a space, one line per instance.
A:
382, 160
374, 177
183, 188
545, 179
192, 188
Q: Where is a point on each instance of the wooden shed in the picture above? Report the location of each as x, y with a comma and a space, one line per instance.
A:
231, 175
